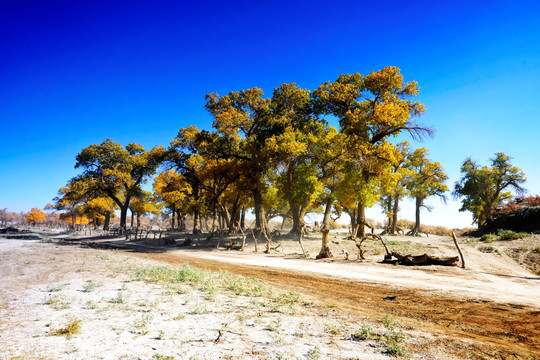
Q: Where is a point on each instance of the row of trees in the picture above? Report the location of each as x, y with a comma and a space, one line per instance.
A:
276, 155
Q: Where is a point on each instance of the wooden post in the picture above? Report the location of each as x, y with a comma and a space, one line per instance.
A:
459, 250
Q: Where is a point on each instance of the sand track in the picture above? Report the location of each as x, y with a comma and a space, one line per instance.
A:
497, 329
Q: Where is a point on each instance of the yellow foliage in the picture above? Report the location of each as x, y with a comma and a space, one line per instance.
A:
35, 216
79, 220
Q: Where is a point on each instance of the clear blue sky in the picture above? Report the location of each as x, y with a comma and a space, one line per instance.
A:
75, 73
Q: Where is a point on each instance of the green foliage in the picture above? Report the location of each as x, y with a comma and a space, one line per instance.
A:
72, 328
314, 354
366, 332
510, 235
484, 188
117, 172
488, 238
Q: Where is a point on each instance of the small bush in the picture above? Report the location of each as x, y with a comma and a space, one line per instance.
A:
488, 238
390, 322
366, 332
536, 250
394, 341
510, 235
72, 328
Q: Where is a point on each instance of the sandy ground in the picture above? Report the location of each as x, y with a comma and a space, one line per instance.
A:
489, 310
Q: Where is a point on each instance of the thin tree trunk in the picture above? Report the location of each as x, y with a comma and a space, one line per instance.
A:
196, 222
300, 238
416, 229
395, 211
243, 218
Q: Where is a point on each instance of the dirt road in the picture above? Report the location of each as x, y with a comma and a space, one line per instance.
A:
469, 327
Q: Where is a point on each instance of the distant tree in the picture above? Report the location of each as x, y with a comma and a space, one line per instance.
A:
118, 172
519, 202
5, 217
100, 210
426, 179
393, 187
484, 188
70, 200
172, 189
144, 203
35, 216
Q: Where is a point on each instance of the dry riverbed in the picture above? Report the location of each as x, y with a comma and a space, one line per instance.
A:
62, 301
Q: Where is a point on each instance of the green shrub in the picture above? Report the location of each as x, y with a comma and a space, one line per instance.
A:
488, 238
72, 328
510, 235
366, 332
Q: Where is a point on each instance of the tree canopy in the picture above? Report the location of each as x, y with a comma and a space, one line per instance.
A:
484, 188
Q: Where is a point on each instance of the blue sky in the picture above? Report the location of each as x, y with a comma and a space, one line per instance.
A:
75, 73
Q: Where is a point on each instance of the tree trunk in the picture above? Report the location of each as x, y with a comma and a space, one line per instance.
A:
361, 220
389, 214
138, 220
260, 218
395, 214
196, 222
196, 213
132, 217
107, 221
243, 218
123, 215
325, 249
73, 220
173, 211
416, 229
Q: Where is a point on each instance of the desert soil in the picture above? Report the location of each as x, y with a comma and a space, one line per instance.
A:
490, 310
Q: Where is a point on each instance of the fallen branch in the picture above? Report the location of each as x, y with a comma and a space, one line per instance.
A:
424, 259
